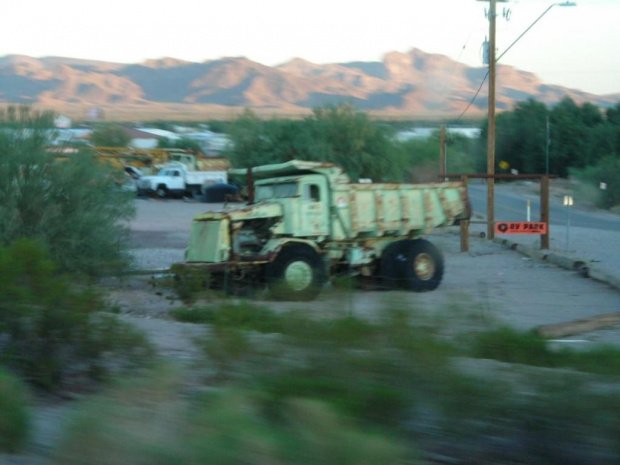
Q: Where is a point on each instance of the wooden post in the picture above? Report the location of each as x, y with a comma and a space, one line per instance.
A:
442, 153
544, 211
465, 222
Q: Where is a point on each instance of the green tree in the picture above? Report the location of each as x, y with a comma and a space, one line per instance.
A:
110, 136
338, 134
351, 140
183, 143
568, 141
421, 157
73, 207
606, 170
521, 137
613, 121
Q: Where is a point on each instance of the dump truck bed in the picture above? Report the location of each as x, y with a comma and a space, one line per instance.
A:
375, 210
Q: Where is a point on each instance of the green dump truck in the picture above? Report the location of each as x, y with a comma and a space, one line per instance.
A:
306, 222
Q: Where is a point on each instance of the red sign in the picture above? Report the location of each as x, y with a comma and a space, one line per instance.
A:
525, 227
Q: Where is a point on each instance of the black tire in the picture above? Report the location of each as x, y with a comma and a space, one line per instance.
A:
392, 264
423, 264
161, 192
194, 193
297, 273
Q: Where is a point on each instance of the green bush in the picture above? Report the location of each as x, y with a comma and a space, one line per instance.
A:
370, 371
51, 331
70, 203
606, 170
529, 348
191, 284
513, 346
243, 315
136, 421
231, 428
110, 135
14, 416
146, 421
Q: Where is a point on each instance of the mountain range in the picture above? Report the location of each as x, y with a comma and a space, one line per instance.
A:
416, 83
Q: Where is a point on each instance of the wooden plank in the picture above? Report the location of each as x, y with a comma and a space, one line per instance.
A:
585, 325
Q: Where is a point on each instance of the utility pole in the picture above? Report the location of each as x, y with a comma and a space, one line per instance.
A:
491, 128
492, 15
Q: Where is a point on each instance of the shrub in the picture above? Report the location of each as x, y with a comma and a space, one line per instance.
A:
371, 371
231, 428
145, 421
529, 348
191, 284
136, 421
50, 331
606, 170
513, 346
70, 203
110, 135
14, 417
243, 315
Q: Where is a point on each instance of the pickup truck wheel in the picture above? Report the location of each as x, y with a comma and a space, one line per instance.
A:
296, 274
161, 192
423, 265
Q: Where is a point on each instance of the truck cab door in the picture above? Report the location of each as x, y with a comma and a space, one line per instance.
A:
176, 180
314, 216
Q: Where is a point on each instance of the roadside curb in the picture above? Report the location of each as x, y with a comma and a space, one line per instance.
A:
563, 261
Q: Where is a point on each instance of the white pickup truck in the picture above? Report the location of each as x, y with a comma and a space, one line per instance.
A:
177, 180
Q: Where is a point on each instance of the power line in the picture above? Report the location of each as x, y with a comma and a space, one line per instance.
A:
476, 95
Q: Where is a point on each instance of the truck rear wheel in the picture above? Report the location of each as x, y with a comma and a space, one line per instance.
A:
392, 259
423, 265
296, 274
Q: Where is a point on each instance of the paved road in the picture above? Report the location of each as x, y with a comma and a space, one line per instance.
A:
512, 207
593, 236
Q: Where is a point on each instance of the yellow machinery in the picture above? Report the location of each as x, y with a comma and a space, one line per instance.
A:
149, 161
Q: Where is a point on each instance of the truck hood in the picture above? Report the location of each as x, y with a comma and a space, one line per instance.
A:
247, 212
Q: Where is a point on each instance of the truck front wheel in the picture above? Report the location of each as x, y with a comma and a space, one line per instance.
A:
423, 265
161, 192
296, 274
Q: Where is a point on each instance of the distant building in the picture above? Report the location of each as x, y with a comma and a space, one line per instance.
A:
148, 138
62, 122
425, 133
211, 143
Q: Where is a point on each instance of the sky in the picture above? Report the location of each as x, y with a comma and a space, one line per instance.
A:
576, 47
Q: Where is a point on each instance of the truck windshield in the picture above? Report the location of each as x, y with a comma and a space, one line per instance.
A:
276, 191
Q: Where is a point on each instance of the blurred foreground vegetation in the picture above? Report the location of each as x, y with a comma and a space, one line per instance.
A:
63, 222
289, 388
